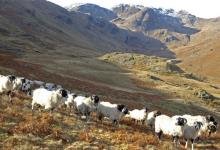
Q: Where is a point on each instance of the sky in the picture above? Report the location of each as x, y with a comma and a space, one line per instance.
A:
200, 8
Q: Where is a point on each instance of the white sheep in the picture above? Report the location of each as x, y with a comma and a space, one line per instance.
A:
139, 115
86, 105
169, 126
209, 123
70, 101
112, 111
7, 85
18, 83
151, 118
48, 99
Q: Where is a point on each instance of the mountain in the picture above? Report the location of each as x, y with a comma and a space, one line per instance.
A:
170, 27
36, 29
40, 26
94, 10
202, 54
125, 10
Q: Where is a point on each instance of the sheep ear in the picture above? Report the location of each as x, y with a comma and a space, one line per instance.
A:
120, 107
158, 113
23, 80
185, 120
146, 109
215, 123
75, 95
198, 125
12, 78
210, 118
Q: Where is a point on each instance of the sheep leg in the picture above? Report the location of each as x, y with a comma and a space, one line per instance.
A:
175, 140
151, 127
9, 96
115, 122
99, 117
192, 140
32, 108
10, 99
51, 111
209, 134
158, 134
186, 145
87, 116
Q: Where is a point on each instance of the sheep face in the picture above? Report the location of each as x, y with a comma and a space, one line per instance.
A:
19, 83
63, 93
122, 109
181, 121
146, 109
11, 78
95, 99
158, 113
212, 128
210, 118
125, 111
198, 125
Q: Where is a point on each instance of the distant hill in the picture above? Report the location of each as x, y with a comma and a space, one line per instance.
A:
40, 26
94, 10
170, 27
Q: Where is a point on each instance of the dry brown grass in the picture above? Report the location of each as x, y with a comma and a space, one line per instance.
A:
39, 126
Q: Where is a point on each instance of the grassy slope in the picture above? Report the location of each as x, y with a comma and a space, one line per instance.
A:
201, 56
19, 129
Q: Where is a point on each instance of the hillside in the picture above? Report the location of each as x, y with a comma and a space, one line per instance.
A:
201, 56
170, 27
122, 55
42, 27
94, 10
20, 129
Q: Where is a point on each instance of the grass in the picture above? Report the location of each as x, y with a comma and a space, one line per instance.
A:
19, 129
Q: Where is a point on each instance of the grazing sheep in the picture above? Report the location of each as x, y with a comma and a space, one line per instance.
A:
70, 100
139, 115
112, 111
209, 123
151, 118
86, 105
7, 85
48, 99
169, 126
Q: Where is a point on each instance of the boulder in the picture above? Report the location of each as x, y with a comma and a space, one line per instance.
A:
203, 94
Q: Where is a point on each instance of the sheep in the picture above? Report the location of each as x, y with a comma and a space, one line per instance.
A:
169, 126
30, 85
70, 100
139, 115
191, 132
18, 83
112, 111
209, 123
86, 105
48, 99
151, 118
7, 85
51, 86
